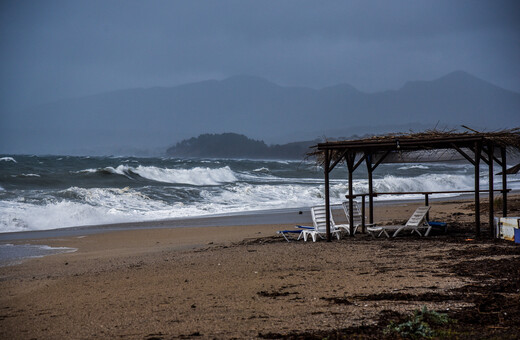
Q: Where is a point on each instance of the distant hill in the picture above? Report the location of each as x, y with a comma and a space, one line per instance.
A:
141, 118
233, 145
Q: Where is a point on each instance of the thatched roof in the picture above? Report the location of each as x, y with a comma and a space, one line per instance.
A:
427, 146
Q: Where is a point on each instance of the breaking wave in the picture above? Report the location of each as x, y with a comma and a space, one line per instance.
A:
27, 175
408, 167
78, 206
8, 159
196, 176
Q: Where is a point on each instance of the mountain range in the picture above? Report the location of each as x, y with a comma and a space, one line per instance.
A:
157, 117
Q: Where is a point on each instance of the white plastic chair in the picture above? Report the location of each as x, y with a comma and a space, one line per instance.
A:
417, 221
357, 218
320, 225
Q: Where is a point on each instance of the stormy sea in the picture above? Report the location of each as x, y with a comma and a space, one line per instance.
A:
48, 192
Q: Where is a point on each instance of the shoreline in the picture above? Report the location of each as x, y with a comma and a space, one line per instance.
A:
17, 246
282, 216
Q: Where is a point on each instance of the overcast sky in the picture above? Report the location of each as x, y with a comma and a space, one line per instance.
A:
57, 49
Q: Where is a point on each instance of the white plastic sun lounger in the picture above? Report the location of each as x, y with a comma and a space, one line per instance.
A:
285, 233
417, 221
357, 218
320, 225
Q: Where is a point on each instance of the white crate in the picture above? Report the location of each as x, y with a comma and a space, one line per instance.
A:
507, 226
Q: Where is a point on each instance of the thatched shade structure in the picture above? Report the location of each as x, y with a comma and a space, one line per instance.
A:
429, 146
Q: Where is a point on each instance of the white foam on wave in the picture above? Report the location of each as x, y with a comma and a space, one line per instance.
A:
85, 171
248, 197
429, 182
418, 166
263, 170
103, 206
84, 207
8, 159
195, 176
120, 170
26, 175
423, 183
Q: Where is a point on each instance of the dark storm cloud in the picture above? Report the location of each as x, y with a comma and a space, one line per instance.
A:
56, 49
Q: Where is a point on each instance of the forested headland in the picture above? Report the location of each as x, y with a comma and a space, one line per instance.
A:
233, 145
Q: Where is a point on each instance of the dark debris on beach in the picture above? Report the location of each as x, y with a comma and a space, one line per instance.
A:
493, 297
494, 312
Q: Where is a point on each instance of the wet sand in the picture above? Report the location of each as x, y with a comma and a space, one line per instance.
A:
241, 281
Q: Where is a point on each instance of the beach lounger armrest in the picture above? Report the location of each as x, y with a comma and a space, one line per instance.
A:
285, 232
304, 227
377, 231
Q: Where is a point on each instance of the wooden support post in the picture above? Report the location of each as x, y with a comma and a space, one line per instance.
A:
327, 198
504, 182
491, 187
350, 165
351, 202
477, 188
370, 189
426, 203
363, 226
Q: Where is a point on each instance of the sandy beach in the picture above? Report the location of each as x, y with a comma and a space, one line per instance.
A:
247, 282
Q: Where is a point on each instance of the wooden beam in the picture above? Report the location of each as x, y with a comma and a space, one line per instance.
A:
498, 161
492, 155
504, 182
337, 160
477, 187
359, 162
350, 165
485, 151
481, 157
350, 158
363, 226
490, 151
368, 159
327, 198
465, 155
380, 160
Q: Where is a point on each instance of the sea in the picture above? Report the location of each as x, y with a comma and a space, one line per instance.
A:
49, 192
